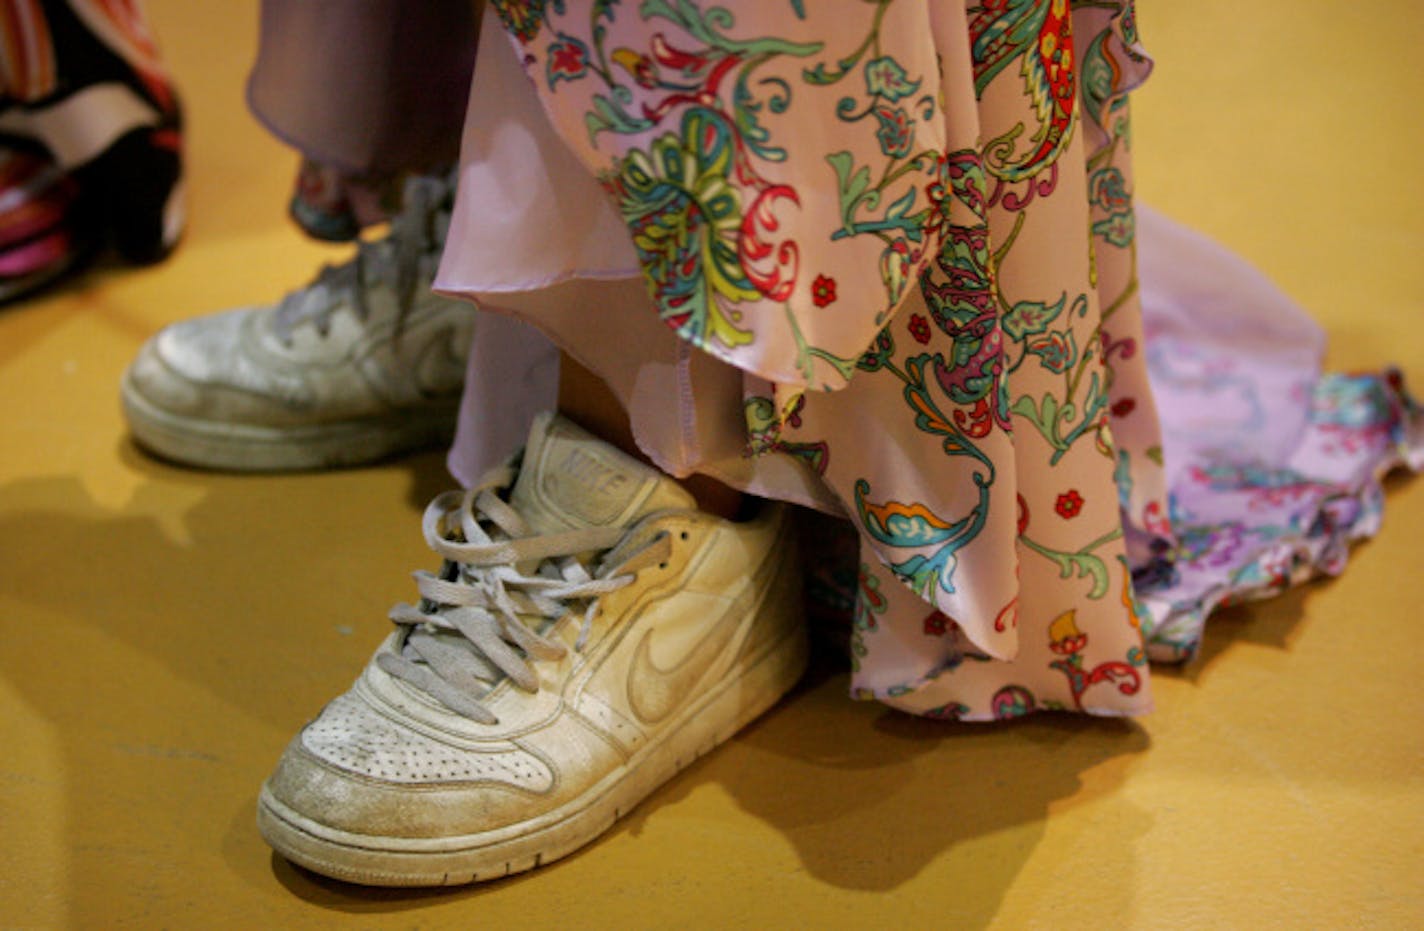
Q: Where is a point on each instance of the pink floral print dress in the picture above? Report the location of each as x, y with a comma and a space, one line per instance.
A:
880, 258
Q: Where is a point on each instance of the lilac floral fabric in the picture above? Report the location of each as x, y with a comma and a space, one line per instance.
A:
1274, 465
903, 235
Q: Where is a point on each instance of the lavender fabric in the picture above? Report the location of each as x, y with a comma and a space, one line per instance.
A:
1208, 459
1220, 463
366, 86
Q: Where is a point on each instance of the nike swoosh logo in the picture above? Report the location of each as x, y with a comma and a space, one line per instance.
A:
654, 692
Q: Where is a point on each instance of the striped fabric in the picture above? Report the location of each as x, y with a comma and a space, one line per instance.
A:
38, 241
122, 26
90, 139
27, 69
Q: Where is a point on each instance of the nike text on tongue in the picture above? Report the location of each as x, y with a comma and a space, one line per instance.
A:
587, 485
580, 477
593, 473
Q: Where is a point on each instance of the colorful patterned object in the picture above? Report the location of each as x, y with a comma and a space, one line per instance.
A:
39, 240
95, 150
908, 230
1246, 532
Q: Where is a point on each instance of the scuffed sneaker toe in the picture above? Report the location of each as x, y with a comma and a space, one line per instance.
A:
592, 634
160, 384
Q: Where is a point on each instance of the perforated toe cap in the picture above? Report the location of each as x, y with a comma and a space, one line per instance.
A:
352, 736
354, 770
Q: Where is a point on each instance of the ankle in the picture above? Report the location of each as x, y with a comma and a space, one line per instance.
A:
711, 495
715, 498
586, 400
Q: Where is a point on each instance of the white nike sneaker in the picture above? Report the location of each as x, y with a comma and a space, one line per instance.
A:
590, 634
361, 364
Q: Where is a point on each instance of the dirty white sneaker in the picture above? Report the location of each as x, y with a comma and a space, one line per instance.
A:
362, 363
590, 634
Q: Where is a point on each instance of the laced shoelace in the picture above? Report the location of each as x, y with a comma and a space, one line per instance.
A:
480, 618
415, 231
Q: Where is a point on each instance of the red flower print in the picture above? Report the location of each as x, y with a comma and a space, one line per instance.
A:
919, 328
1069, 504
823, 290
568, 59
1124, 407
936, 624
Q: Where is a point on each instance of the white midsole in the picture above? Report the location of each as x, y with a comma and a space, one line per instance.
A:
553, 834
247, 446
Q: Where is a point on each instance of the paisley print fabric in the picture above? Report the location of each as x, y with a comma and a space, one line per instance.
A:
902, 236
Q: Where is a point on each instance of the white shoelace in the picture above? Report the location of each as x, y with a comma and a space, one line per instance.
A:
417, 231
479, 620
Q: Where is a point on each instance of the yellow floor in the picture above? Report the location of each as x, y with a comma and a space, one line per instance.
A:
163, 633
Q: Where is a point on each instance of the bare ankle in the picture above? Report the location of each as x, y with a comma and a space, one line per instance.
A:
715, 498
585, 399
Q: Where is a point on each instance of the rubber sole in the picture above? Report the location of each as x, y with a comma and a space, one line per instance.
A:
246, 448
449, 861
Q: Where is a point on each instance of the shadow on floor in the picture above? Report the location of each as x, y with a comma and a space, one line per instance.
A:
1272, 623
273, 591
276, 560
868, 798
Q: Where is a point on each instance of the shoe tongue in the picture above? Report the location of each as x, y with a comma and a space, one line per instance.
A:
570, 479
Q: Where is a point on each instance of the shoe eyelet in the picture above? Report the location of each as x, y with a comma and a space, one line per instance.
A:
662, 565
682, 536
